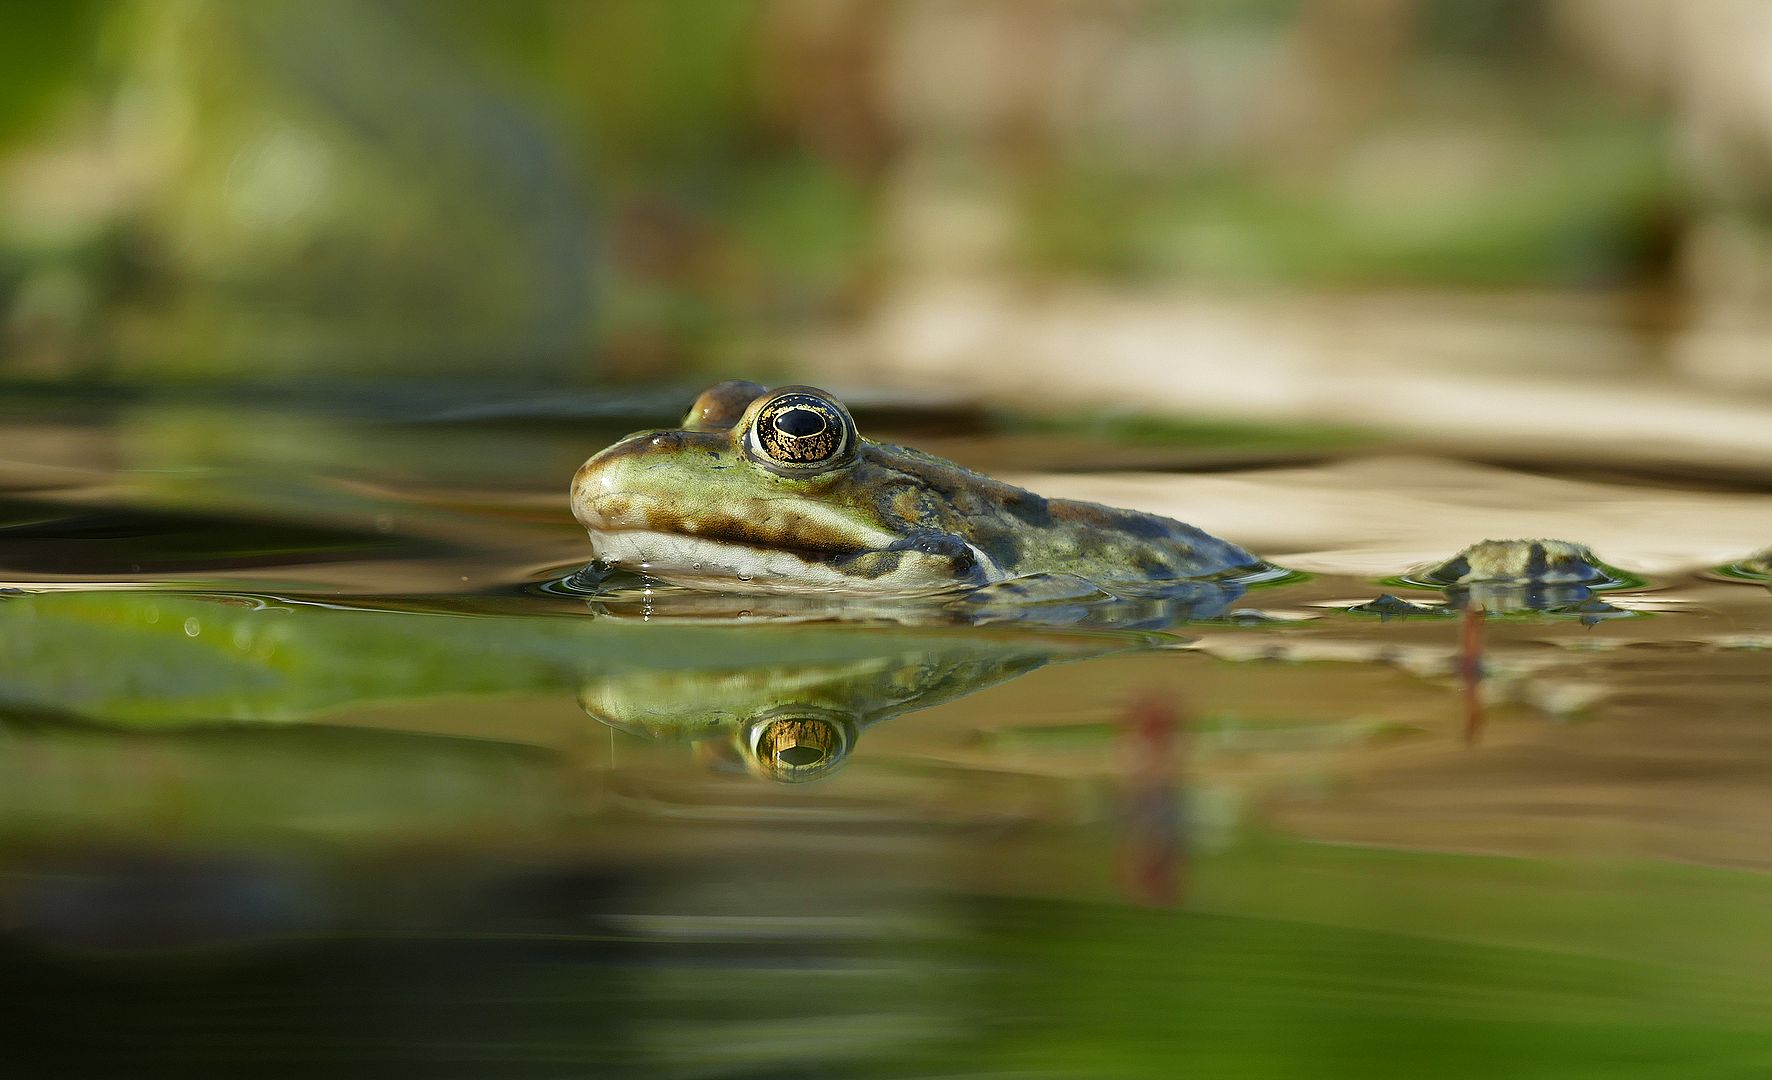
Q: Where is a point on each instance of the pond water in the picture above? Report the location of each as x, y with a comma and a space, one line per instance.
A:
316, 752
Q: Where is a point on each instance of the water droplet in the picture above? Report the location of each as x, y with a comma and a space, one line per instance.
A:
193, 627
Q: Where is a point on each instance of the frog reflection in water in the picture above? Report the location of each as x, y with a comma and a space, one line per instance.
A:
794, 723
764, 491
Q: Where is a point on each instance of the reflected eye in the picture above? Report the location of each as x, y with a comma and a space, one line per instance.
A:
800, 429
793, 749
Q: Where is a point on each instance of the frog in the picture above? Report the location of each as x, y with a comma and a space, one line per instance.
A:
776, 491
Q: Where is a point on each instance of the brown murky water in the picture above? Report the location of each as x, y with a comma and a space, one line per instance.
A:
312, 755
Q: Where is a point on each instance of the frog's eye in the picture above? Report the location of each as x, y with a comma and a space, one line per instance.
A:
799, 429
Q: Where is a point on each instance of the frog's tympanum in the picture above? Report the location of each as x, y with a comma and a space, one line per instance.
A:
776, 491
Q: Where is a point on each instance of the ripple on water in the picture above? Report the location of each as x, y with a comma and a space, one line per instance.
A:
1391, 606
1050, 600
595, 578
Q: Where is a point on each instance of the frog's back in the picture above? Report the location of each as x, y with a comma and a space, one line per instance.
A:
1024, 533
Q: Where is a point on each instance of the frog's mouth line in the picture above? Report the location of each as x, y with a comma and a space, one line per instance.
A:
719, 564
827, 556
811, 532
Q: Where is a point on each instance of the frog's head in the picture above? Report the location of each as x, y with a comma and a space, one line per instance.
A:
765, 491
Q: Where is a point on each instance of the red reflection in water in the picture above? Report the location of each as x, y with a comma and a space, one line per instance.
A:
1470, 670
1152, 858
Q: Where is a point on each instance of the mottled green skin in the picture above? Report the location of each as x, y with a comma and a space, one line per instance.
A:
891, 519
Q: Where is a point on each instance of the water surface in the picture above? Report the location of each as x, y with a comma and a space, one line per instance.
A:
314, 754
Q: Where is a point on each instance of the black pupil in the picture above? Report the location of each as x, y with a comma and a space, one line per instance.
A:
799, 423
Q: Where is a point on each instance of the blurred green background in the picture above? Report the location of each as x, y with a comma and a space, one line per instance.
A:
547, 192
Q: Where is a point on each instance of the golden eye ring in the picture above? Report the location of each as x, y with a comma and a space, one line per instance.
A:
800, 430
